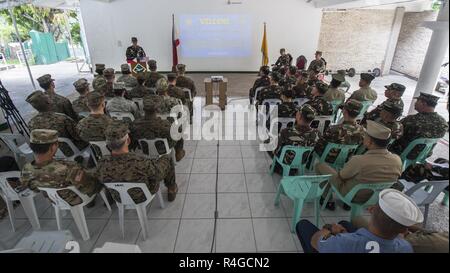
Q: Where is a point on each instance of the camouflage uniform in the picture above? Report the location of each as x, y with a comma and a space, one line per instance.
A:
284, 60
299, 90
93, 127
152, 78
134, 52
375, 113
186, 82
62, 105
58, 173
139, 92
80, 105
129, 80
98, 82
176, 92
364, 94
121, 104
316, 65
259, 82
287, 110
334, 94
322, 107
271, 92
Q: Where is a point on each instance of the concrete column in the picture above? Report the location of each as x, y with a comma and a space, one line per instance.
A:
436, 52
393, 39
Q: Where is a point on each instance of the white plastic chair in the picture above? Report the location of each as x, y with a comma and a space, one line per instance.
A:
300, 101
322, 122
285, 122
118, 248
25, 197
264, 112
85, 153
148, 147
98, 150
257, 92
140, 104
77, 211
128, 203
45, 242
187, 93
424, 193
19, 147
122, 116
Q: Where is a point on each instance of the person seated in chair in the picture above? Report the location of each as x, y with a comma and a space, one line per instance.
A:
285, 59
334, 92
120, 104
390, 219
123, 166
152, 76
301, 87
318, 64
108, 88
291, 78
126, 77
388, 116
271, 92
378, 165
173, 90
393, 93
262, 81
47, 172
140, 90
365, 93
318, 102
80, 105
99, 68
185, 82
93, 127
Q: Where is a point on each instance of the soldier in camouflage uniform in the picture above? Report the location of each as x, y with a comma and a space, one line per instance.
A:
99, 78
126, 77
134, 51
317, 64
345, 85
140, 90
47, 119
185, 82
301, 87
173, 90
123, 166
151, 126
334, 93
287, 109
323, 107
93, 127
59, 103
153, 76
301, 135
393, 93
425, 124
365, 93
80, 105
107, 88
167, 102
388, 116
273, 91
284, 60
291, 78
262, 81
347, 133
120, 104
47, 172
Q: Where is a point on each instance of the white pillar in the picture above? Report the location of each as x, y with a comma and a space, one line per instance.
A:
436, 52
393, 40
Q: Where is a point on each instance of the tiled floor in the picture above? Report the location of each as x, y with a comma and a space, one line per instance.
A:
248, 220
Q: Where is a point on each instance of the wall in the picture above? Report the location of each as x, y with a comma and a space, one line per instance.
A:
355, 38
413, 43
294, 25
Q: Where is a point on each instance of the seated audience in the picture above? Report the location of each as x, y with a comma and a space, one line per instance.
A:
393, 93
318, 102
365, 93
126, 77
140, 90
152, 76
93, 127
334, 92
120, 104
262, 81
80, 105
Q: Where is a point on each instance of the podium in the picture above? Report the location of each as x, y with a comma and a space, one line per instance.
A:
216, 87
138, 67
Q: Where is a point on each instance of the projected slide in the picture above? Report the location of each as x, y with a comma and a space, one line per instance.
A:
204, 36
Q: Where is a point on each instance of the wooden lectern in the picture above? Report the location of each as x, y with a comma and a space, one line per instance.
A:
219, 87
138, 67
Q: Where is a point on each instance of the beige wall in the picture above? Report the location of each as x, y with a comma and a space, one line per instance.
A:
355, 38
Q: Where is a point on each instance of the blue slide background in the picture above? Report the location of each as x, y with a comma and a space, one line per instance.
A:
226, 35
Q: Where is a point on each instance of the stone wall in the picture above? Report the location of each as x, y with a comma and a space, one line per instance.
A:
355, 38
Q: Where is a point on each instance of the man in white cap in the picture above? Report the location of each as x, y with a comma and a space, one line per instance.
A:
390, 218
378, 165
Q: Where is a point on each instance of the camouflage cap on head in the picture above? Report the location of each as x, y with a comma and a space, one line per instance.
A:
162, 84
393, 108
338, 77
108, 72
116, 131
81, 84
322, 87
100, 66
39, 100
308, 111
171, 76
119, 86
99, 84
367, 77
428, 98
45, 79
43, 136
396, 86
353, 106
151, 63
95, 99
152, 104
377, 130
125, 68
181, 67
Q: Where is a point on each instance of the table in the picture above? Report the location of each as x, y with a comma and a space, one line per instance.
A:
212, 88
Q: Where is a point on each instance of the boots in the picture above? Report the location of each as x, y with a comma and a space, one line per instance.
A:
179, 154
172, 193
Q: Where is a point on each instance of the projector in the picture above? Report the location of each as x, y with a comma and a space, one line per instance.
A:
217, 78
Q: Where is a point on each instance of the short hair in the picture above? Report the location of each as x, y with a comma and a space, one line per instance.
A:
46, 85
428, 102
40, 148
335, 83
385, 224
115, 145
134, 39
382, 143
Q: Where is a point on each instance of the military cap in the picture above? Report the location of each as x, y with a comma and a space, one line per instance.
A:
367, 77
396, 86
171, 76
95, 99
308, 111
151, 63
162, 84
81, 84
353, 106
400, 208
377, 130
151, 104
39, 100
338, 77
119, 86
45, 79
100, 66
393, 108
43, 136
99, 84
428, 98
116, 131
181, 67
276, 76
322, 87
125, 68
319, 52
108, 72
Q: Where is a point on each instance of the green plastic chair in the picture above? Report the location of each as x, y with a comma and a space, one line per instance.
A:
302, 189
364, 109
335, 104
341, 159
297, 162
357, 208
422, 156
362, 149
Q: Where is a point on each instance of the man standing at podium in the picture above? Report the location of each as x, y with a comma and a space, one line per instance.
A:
134, 51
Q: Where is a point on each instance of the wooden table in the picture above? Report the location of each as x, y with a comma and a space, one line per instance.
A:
219, 88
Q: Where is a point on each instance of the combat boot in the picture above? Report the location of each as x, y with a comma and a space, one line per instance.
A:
180, 155
172, 193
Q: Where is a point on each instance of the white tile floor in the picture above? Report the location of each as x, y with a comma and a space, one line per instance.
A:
248, 220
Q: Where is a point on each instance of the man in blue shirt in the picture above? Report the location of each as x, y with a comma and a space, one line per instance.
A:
391, 217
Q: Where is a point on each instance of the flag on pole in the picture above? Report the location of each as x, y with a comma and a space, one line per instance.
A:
175, 44
265, 49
